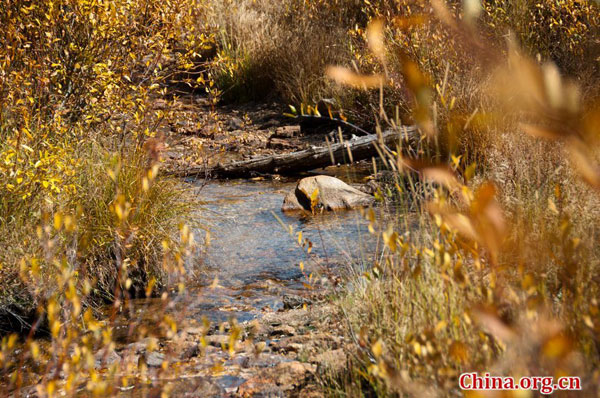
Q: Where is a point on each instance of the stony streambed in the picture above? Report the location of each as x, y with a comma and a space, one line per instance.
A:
252, 287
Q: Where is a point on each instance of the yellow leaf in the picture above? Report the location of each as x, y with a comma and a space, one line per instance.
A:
552, 206
375, 38
390, 237
377, 348
442, 176
57, 221
314, 198
347, 77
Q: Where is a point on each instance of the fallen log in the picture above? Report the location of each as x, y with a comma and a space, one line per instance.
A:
360, 148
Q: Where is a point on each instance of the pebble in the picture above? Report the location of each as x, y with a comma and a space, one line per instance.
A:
155, 359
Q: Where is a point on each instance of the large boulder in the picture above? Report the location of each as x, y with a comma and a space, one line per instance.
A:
333, 194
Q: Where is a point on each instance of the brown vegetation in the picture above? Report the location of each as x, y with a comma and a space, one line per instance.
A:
495, 270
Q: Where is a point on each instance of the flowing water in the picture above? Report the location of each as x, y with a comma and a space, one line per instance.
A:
253, 261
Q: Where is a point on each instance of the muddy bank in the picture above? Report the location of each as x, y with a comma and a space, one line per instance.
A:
207, 137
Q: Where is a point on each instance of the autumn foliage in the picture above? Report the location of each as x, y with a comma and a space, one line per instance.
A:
489, 264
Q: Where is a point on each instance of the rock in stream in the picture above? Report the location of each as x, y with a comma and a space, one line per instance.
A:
333, 194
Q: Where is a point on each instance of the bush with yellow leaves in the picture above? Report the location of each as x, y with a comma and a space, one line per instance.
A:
77, 82
85, 216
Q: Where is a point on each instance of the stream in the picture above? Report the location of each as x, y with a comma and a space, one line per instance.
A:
251, 272
253, 262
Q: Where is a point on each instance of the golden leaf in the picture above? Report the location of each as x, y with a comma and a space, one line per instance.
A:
442, 176
377, 348
347, 77
375, 38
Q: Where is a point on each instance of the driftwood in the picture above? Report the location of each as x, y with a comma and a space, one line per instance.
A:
361, 148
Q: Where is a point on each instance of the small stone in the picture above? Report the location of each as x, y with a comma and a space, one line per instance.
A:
217, 340
190, 350
235, 123
141, 346
279, 143
106, 357
259, 386
155, 359
229, 383
270, 123
287, 131
174, 155
283, 330
292, 301
194, 331
291, 374
194, 387
284, 346
257, 142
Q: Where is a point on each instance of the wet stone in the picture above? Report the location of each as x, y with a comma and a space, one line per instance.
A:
333, 194
190, 351
239, 360
194, 331
266, 361
141, 346
229, 383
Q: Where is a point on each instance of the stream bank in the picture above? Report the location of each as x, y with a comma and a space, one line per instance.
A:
258, 323
255, 318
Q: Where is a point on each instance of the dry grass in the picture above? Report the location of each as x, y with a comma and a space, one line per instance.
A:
506, 268
281, 48
490, 282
